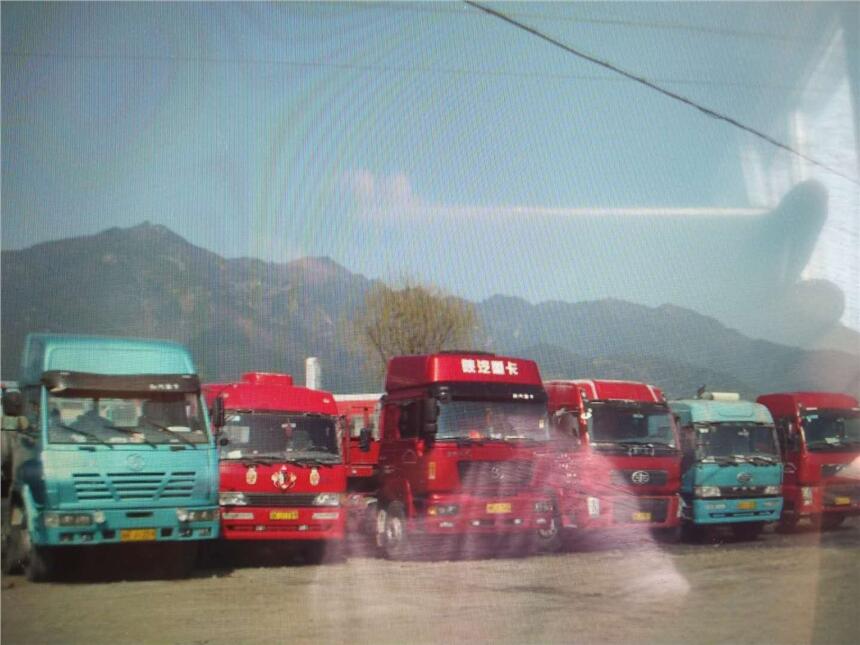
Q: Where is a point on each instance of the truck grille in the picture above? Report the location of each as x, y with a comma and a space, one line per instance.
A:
282, 499
852, 491
623, 509
494, 477
134, 487
640, 477
742, 491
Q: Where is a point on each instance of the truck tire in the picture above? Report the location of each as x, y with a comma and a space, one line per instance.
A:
830, 521
692, 533
35, 562
178, 559
747, 530
12, 527
395, 538
550, 540
787, 523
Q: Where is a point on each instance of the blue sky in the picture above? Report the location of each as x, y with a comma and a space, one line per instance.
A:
435, 141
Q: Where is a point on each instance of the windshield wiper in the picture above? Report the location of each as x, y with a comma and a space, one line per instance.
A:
158, 426
130, 433
829, 445
85, 433
761, 459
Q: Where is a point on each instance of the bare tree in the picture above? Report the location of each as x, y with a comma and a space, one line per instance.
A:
412, 319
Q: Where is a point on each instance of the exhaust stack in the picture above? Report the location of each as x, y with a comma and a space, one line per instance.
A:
313, 373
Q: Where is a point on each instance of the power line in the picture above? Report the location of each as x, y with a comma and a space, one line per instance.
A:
618, 22
650, 84
406, 69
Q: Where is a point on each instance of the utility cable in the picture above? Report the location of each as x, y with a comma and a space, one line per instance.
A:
644, 81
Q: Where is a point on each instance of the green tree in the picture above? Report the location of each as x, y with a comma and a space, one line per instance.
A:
411, 319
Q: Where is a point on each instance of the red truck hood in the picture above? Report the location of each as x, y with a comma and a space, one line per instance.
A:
283, 477
637, 474
830, 467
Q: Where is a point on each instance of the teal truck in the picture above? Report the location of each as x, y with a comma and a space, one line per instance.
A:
111, 444
731, 466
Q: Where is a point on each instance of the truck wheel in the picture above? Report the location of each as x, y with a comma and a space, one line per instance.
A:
179, 559
12, 529
551, 539
37, 561
747, 530
787, 523
667, 535
830, 521
395, 539
692, 533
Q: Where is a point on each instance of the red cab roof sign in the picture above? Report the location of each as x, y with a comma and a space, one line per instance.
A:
415, 371
570, 393
270, 392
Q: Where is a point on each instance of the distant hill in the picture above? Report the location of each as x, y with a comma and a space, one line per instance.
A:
242, 314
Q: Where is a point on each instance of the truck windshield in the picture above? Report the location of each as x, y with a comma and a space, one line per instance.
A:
831, 429
736, 440
619, 424
162, 418
495, 420
282, 436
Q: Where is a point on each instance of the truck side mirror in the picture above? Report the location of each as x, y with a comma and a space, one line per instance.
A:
218, 416
566, 424
431, 410
364, 437
13, 404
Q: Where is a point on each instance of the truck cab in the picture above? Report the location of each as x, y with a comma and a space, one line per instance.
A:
460, 432
112, 444
360, 416
282, 470
819, 437
625, 468
732, 470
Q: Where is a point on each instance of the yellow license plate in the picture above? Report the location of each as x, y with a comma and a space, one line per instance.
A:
746, 506
136, 535
841, 501
499, 507
641, 517
284, 515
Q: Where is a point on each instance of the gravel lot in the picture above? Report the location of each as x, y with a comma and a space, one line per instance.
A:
796, 588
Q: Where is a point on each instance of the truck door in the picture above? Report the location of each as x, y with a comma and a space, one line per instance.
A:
789, 448
398, 456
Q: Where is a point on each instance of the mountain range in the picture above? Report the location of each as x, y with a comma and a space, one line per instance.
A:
245, 314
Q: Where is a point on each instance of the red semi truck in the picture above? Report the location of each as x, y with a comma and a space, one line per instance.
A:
459, 436
360, 414
281, 463
819, 437
623, 463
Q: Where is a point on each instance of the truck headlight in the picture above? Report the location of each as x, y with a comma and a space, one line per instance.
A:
232, 498
54, 520
443, 509
806, 493
327, 499
706, 491
204, 515
773, 490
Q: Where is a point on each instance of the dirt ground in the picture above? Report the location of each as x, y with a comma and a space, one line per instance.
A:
799, 588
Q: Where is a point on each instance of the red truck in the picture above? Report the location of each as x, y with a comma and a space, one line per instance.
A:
281, 463
623, 466
459, 436
360, 414
819, 437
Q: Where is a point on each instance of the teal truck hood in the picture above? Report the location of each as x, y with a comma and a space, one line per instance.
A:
705, 474
129, 477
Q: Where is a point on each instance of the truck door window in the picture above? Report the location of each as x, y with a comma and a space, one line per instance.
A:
410, 418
